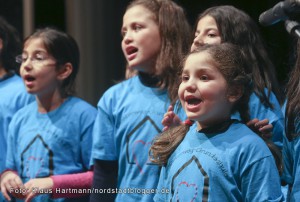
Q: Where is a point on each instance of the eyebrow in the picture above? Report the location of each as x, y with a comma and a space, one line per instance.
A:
36, 51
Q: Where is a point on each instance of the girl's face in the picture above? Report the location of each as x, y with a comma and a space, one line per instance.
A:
203, 91
38, 68
207, 32
141, 39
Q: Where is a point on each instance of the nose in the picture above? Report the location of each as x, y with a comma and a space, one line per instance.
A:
27, 65
198, 41
127, 38
191, 86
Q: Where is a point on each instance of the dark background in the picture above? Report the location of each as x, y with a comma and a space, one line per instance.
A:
53, 12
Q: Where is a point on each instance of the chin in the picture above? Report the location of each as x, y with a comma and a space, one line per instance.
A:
132, 65
193, 117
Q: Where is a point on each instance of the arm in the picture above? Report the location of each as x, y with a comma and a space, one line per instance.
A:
68, 181
10, 181
170, 119
261, 127
261, 181
105, 177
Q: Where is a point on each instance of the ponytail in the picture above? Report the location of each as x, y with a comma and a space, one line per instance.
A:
164, 145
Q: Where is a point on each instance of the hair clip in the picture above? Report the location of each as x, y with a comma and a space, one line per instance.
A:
188, 122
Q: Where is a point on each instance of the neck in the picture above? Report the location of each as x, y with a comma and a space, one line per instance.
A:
149, 80
211, 123
50, 102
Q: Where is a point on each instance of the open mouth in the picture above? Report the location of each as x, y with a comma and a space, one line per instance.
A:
193, 101
131, 50
29, 78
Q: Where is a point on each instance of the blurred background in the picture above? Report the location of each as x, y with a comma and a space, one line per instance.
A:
96, 24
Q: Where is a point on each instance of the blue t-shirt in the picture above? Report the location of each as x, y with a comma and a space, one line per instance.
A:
129, 117
291, 164
13, 97
260, 111
54, 143
229, 165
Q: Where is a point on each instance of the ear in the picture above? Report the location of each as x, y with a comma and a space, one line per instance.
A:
235, 94
64, 71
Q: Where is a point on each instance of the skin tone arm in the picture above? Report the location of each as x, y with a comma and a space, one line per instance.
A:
261, 127
10, 181
42, 183
170, 119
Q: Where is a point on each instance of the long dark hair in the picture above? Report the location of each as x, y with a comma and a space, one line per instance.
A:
292, 112
12, 45
237, 27
176, 40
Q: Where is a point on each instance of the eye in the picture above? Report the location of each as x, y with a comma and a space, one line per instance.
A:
204, 77
212, 34
184, 78
21, 58
123, 33
137, 27
39, 57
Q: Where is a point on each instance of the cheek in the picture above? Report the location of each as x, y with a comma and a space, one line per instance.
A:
153, 42
21, 71
213, 40
214, 93
217, 40
181, 90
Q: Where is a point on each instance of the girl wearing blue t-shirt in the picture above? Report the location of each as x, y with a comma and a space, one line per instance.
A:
291, 143
12, 89
218, 158
155, 36
52, 136
221, 24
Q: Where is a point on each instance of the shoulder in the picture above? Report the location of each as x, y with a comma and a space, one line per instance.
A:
117, 92
14, 87
242, 131
78, 105
25, 112
123, 86
13, 84
248, 141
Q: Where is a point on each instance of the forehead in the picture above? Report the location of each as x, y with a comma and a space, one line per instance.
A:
207, 21
138, 12
34, 44
197, 60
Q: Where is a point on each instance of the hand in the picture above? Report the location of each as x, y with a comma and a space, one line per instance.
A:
170, 119
12, 184
262, 128
38, 186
